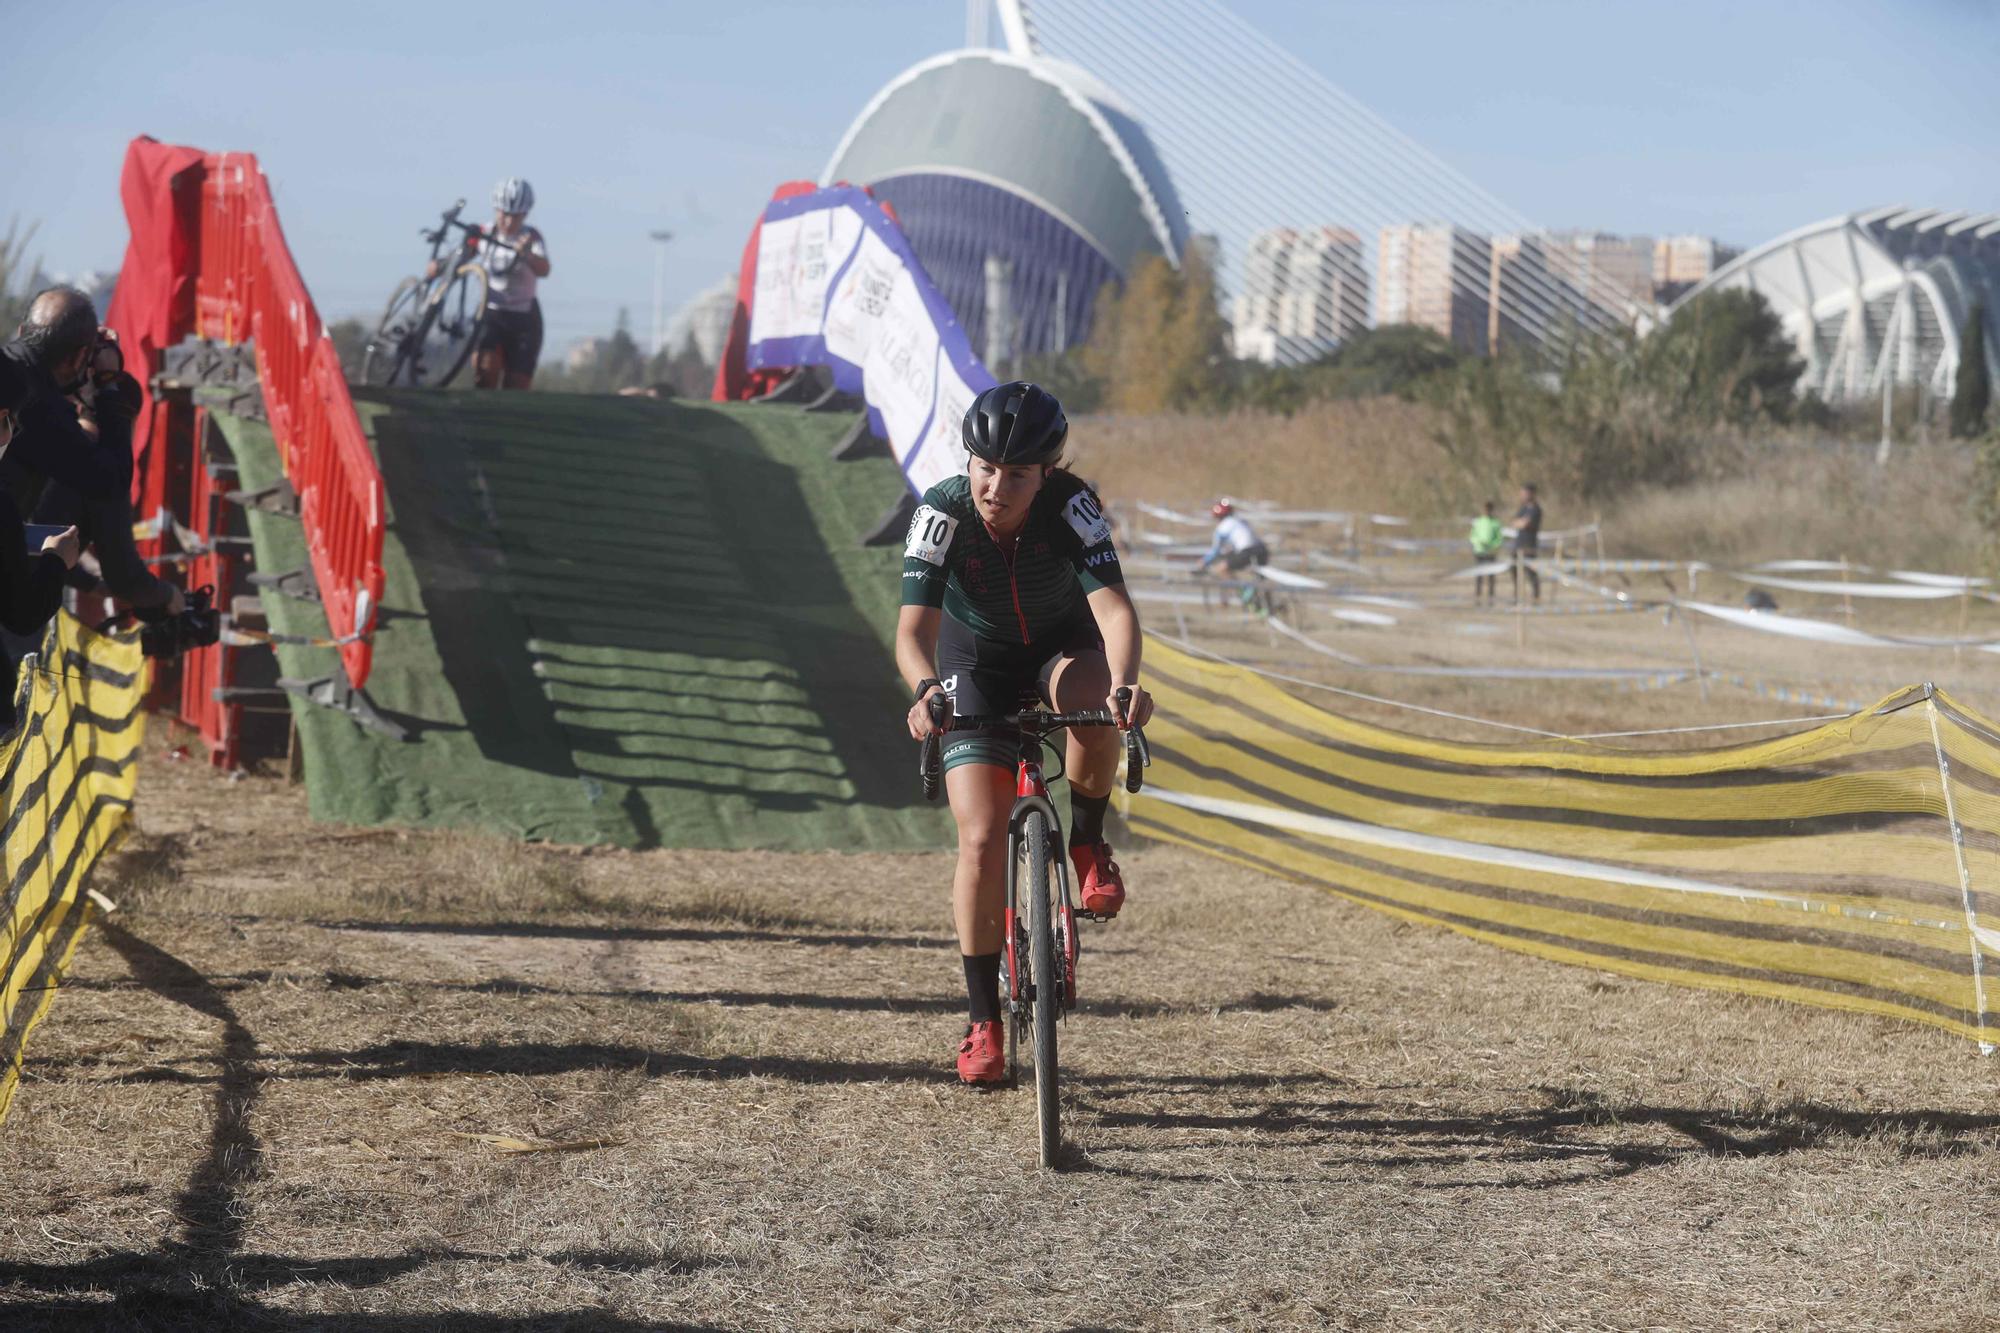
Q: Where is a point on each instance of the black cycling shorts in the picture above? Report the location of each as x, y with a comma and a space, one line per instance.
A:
1254, 554
987, 676
518, 335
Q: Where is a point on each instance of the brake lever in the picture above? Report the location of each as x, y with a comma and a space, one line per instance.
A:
1137, 755
929, 766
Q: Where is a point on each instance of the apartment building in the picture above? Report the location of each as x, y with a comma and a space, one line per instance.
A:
1304, 292
1679, 262
1436, 275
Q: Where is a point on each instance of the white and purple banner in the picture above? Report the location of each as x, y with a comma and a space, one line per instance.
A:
838, 286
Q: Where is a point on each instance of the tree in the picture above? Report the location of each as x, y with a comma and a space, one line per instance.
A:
16, 273
682, 370
1724, 356
1160, 343
1390, 358
1063, 374
621, 364
350, 341
1971, 390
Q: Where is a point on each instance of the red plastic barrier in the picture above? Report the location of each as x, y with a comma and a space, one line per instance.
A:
247, 287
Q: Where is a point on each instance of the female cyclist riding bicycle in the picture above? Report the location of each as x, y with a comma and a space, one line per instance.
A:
1012, 591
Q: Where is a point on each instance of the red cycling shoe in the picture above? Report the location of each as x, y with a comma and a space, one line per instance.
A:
1100, 889
982, 1056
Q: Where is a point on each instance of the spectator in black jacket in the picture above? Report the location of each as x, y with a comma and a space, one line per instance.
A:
31, 583
74, 464
55, 348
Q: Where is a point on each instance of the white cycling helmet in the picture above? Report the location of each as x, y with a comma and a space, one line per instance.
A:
514, 195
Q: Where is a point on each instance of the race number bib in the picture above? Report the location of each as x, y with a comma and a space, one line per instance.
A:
930, 535
1087, 518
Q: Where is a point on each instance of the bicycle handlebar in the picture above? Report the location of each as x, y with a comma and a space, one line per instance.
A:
1034, 722
449, 219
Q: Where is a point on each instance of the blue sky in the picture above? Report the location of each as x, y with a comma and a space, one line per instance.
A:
1740, 120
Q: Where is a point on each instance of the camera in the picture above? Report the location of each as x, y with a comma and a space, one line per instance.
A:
197, 626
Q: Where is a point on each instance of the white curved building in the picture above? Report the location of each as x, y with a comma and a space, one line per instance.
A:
1874, 295
1024, 185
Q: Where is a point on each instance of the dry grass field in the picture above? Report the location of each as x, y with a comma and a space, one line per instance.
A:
291, 1083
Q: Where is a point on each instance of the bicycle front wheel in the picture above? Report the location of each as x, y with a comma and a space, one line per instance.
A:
382, 359
1048, 986
461, 315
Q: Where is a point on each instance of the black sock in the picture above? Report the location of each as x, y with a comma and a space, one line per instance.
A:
982, 986
1086, 814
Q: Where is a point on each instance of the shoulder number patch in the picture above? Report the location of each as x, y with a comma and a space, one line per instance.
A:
930, 535
1088, 520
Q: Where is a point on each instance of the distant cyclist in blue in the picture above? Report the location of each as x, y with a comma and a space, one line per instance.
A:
1011, 589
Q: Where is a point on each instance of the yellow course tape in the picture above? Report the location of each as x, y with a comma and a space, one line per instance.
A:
66, 782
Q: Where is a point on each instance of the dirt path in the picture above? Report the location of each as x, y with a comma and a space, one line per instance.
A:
258, 1104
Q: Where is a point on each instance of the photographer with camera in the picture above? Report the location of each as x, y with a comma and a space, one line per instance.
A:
31, 574
72, 371
94, 419
76, 434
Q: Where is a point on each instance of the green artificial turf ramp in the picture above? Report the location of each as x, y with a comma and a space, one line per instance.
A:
617, 620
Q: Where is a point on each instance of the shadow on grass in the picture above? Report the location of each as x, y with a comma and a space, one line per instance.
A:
640, 934
1614, 1139
417, 1059
1257, 1002
135, 1309
203, 1278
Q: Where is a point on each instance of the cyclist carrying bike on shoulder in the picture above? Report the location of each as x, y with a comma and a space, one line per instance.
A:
510, 343
1011, 589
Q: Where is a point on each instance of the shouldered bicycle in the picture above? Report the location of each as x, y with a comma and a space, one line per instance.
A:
1039, 956
433, 322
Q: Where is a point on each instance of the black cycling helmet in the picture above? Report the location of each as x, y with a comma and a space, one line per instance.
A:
1016, 423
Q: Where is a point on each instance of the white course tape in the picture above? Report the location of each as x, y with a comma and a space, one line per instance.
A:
1284, 578
1809, 567
1822, 631
1167, 515
1915, 592
1426, 844
1955, 582
1281, 627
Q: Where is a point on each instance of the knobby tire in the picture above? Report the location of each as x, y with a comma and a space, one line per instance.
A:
1046, 973
382, 361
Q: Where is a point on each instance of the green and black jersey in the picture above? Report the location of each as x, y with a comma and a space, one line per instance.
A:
1063, 554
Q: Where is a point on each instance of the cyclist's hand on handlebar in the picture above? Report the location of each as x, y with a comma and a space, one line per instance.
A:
922, 724
1136, 711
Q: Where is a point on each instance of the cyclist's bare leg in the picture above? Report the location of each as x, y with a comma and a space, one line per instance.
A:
1081, 681
488, 366
519, 379
982, 796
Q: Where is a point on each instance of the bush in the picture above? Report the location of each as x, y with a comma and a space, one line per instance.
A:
1616, 411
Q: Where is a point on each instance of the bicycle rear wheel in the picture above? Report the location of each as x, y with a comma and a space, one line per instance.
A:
1046, 974
381, 359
